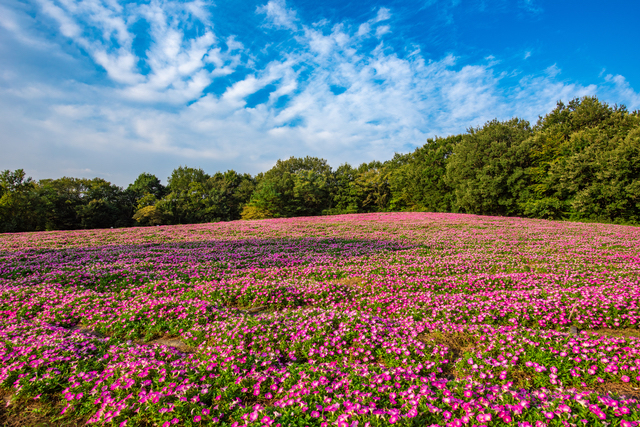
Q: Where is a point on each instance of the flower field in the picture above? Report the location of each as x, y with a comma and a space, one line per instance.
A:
413, 319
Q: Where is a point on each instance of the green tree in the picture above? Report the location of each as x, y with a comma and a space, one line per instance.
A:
265, 202
311, 191
345, 195
600, 178
231, 191
371, 187
563, 152
293, 187
144, 193
148, 215
487, 168
419, 183
60, 201
147, 183
18, 202
195, 197
186, 201
103, 205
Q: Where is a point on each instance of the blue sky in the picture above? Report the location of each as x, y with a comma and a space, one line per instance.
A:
111, 89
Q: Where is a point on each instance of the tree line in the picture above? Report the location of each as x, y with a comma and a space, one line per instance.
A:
579, 162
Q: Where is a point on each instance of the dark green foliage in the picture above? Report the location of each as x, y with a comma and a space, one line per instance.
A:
583, 165
60, 200
196, 197
147, 183
487, 168
18, 202
363, 189
345, 197
104, 205
579, 162
419, 184
371, 186
61, 204
294, 187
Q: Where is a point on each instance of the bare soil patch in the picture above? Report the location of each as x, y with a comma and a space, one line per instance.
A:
623, 332
458, 344
34, 413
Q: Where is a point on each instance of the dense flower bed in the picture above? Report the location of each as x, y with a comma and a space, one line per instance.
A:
357, 320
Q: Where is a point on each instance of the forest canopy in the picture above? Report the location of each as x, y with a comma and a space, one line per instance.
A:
579, 162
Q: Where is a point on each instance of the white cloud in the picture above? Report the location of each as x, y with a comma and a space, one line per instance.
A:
120, 66
177, 61
620, 89
279, 15
383, 14
335, 92
363, 29
553, 70
67, 26
537, 95
382, 30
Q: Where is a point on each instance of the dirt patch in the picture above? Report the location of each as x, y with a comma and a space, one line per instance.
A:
520, 378
623, 333
621, 389
171, 342
34, 413
355, 282
458, 343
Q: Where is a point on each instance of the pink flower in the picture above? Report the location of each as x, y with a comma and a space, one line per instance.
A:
484, 418
506, 417
197, 419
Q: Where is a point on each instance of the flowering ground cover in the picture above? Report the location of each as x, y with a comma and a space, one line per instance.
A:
413, 319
